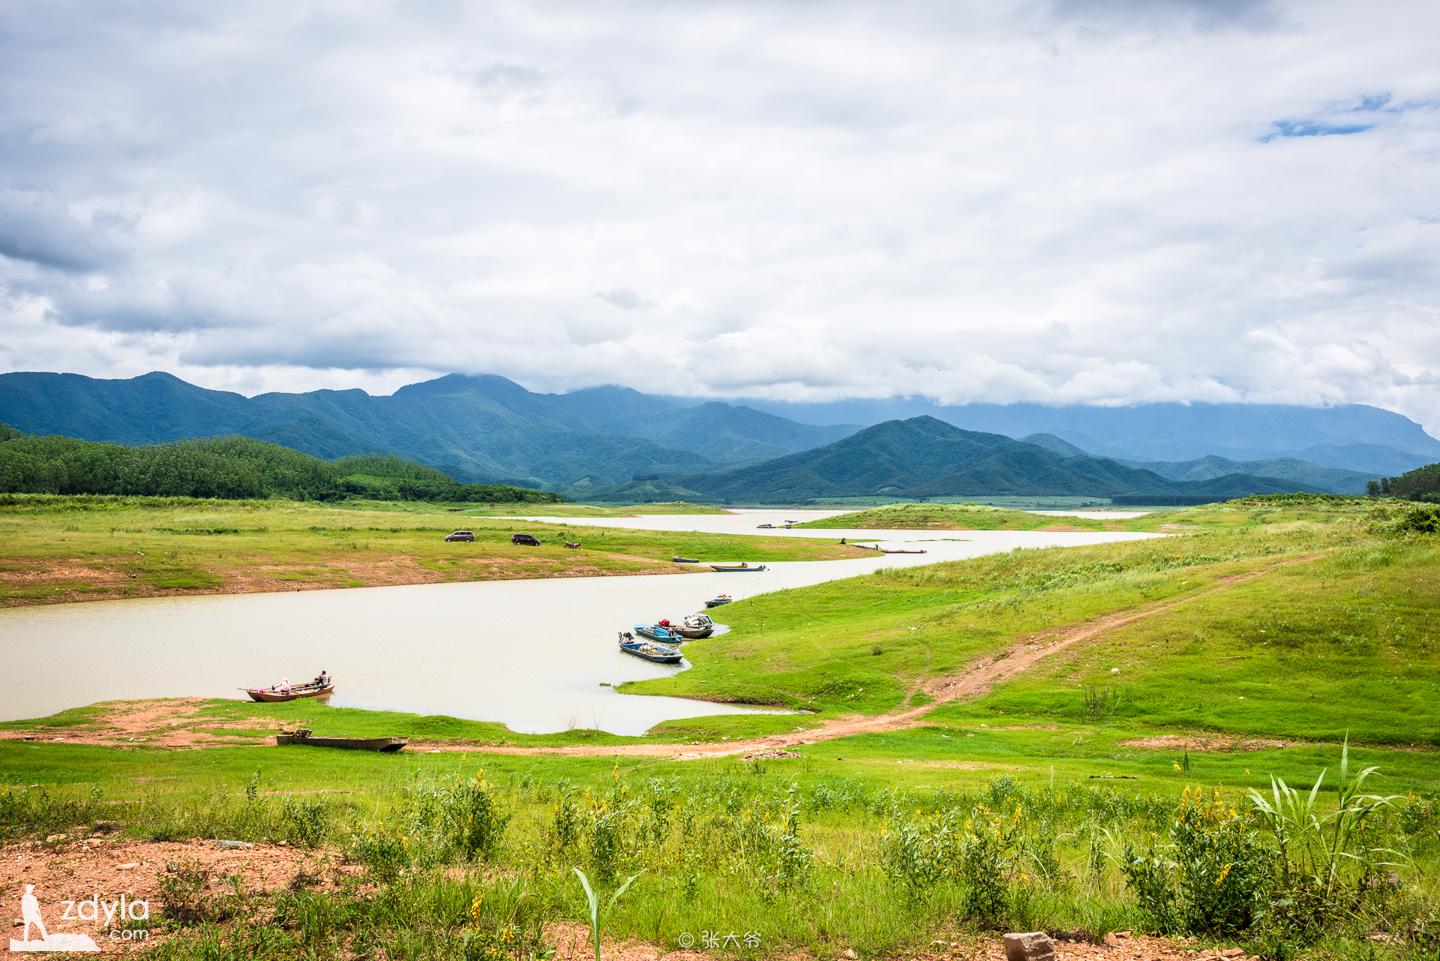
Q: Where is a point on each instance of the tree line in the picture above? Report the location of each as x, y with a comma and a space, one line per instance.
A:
1420, 484
227, 467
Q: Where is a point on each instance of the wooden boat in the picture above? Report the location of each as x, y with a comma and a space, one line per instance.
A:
663, 633
648, 650
684, 560
897, 550
764, 527
695, 627
737, 568
303, 737
719, 601
272, 696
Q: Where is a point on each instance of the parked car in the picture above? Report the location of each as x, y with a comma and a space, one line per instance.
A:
460, 536
529, 540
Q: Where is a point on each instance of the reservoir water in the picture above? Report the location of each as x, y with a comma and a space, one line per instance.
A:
532, 654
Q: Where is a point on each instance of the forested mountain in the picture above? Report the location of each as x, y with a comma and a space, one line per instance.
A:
1353, 437
225, 467
924, 457
492, 429
474, 428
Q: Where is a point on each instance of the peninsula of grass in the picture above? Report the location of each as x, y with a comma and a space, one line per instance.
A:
56, 549
973, 517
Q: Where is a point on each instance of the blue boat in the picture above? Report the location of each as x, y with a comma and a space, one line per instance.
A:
720, 601
648, 650
659, 633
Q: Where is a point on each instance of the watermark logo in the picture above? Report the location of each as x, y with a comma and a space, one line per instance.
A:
118, 916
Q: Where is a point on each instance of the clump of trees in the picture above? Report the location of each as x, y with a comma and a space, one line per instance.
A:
227, 467
1420, 484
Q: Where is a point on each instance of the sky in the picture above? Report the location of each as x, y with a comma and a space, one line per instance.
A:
1111, 202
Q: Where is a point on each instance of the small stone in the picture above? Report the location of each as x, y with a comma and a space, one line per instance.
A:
234, 845
1029, 946
56, 838
127, 866
1111, 941
850, 954
1233, 953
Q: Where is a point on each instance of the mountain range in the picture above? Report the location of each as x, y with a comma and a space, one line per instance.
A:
486, 428
1354, 437
924, 457
481, 428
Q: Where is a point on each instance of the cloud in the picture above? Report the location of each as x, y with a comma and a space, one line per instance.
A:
37, 227
1106, 201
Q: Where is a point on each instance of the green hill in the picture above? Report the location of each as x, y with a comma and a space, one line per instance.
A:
472, 428
1420, 484
225, 467
925, 457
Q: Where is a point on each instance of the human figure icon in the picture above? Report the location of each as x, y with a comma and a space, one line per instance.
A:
30, 913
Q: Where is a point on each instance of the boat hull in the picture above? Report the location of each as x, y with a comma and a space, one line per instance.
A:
659, 635
275, 697
723, 569
382, 745
654, 653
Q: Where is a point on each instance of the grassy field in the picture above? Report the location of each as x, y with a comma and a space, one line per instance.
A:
973, 517
58, 549
1073, 795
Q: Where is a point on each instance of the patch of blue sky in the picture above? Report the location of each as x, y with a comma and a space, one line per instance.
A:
1313, 128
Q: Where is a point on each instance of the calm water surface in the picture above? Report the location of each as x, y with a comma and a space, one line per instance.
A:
531, 654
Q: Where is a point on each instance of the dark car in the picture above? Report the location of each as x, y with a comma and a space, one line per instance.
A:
460, 536
529, 540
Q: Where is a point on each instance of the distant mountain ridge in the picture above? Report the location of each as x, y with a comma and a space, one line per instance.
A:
924, 457
483, 428
488, 428
1352, 437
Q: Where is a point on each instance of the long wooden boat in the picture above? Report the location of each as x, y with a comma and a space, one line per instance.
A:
649, 650
719, 601
303, 737
677, 559
664, 634
897, 550
737, 568
695, 627
272, 696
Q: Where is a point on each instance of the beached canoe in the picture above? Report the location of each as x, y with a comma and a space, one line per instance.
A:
677, 559
663, 633
737, 568
272, 696
303, 737
649, 650
896, 550
718, 601
695, 627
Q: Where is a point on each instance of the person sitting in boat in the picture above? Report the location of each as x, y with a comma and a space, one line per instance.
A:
322, 680
664, 622
284, 686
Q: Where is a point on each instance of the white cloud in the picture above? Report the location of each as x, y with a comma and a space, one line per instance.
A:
1081, 202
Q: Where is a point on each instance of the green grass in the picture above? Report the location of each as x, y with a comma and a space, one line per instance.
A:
1337, 639
974, 517
76, 548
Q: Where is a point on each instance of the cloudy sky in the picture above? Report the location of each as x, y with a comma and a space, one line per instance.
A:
1060, 201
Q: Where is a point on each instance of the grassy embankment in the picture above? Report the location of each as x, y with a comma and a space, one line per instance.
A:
55, 549
999, 811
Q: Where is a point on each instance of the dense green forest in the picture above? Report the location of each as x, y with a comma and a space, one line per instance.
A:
227, 467
1420, 484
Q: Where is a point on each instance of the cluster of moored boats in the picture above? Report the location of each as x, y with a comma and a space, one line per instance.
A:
660, 642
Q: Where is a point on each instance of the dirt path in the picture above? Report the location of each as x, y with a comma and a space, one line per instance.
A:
171, 723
